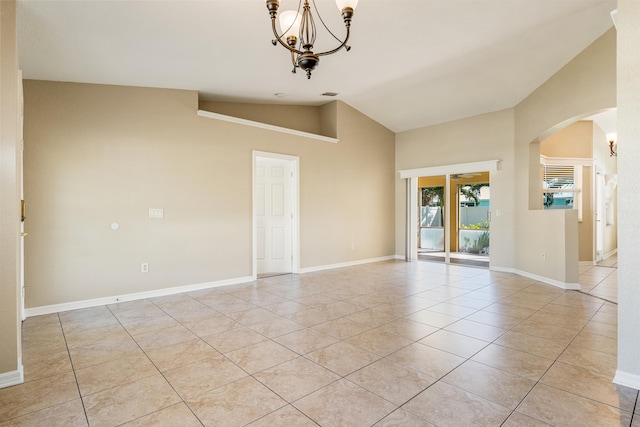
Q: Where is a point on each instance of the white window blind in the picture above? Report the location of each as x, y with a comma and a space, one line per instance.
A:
561, 187
558, 177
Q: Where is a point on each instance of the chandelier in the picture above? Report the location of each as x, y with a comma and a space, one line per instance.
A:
298, 32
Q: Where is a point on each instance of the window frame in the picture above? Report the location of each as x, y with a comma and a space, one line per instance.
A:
578, 172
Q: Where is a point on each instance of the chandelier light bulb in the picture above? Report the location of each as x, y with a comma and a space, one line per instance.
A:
289, 21
342, 4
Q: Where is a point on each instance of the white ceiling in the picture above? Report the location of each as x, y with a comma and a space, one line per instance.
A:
413, 63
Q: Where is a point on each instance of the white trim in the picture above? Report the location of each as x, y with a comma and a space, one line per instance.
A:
8, 379
75, 305
548, 281
447, 218
503, 269
627, 379
489, 165
348, 264
266, 126
412, 219
56, 308
579, 161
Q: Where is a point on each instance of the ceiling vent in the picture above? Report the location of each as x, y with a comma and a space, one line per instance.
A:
330, 94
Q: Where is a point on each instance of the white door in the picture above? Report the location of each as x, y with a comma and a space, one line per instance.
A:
274, 212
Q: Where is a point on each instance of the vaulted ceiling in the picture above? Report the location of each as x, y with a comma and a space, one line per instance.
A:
413, 63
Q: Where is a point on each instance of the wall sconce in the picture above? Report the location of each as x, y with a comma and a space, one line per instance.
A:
613, 146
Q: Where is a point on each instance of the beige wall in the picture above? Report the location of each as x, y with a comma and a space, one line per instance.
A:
97, 155
576, 141
586, 85
302, 118
474, 139
9, 199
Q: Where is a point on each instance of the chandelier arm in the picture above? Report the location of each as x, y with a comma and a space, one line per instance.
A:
279, 39
343, 44
322, 21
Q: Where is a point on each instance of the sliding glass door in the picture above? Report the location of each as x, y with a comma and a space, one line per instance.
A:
453, 218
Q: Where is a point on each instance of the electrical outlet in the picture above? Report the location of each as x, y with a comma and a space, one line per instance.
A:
144, 267
543, 257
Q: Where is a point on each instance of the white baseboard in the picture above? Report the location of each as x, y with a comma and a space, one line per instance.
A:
627, 379
503, 269
75, 305
610, 254
55, 308
16, 377
547, 280
346, 264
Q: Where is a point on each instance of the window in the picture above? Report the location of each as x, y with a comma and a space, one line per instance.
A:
561, 184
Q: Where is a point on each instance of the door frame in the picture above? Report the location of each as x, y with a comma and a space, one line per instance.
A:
294, 163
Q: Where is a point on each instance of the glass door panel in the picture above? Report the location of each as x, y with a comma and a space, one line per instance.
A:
431, 221
473, 231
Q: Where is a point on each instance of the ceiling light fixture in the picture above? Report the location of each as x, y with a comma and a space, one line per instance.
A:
613, 146
299, 31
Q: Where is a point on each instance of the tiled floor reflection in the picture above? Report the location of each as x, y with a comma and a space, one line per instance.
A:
385, 344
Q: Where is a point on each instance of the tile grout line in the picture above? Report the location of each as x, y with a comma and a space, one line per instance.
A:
73, 369
159, 370
556, 360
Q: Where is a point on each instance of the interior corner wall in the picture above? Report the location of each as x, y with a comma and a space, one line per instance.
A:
628, 372
586, 85
10, 353
98, 155
473, 139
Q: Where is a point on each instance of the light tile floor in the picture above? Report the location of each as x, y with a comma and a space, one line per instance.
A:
601, 280
385, 344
